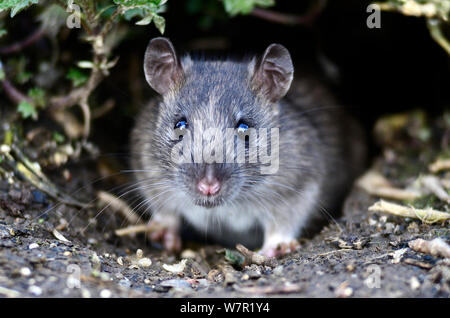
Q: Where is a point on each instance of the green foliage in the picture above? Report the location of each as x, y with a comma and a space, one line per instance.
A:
146, 10
15, 5
58, 137
27, 110
235, 7
38, 96
77, 77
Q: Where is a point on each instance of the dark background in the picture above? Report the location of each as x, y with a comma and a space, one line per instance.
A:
395, 68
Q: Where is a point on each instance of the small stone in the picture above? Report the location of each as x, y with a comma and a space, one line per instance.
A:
278, 270
372, 222
414, 283
145, 262
125, 283
147, 281
245, 277
85, 293
139, 253
33, 246
120, 260
176, 283
105, 293
389, 227
175, 268
25, 271
67, 253
343, 290
35, 290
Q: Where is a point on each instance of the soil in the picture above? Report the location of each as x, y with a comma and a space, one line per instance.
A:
360, 254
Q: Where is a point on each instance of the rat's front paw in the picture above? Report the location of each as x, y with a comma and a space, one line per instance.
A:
165, 230
274, 247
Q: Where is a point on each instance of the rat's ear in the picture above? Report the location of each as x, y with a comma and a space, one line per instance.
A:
161, 65
273, 72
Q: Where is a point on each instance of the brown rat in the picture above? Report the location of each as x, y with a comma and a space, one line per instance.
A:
231, 146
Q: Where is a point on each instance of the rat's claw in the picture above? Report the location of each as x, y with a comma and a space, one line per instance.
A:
280, 250
165, 231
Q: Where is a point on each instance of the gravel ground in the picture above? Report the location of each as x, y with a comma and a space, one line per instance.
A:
361, 254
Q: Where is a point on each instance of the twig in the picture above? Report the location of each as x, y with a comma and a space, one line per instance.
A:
18, 46
375, 184
435, 247
428, 216
434, 25
255, 258
433, 184
9, 292
118, 205
13, 93
141, 228
439, 165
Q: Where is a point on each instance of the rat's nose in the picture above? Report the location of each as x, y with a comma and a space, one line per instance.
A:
208, 186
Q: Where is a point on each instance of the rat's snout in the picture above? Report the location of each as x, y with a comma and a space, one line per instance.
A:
208, 187
209, 184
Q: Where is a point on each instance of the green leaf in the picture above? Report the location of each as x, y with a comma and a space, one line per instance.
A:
77, 77
160, 23
145, 20
146, 10
38, 96
15, 5
58, 137
235, 7
27, 110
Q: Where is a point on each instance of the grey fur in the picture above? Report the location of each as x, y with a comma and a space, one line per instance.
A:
321, 152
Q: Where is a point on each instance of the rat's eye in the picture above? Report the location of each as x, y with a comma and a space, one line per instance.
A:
180, 128
181, 125
242, 128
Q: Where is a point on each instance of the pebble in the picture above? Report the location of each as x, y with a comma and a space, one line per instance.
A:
176, 268
343, 290
25, 271
139, 253
145, 262
85, 293
33, 246
278, 270
176, 283
105, 293
120, 260
414, 283
35, 290
125, 283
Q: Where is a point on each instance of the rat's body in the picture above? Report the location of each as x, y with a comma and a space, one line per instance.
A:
320, 149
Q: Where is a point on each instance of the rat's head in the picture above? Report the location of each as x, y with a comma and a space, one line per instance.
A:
214, 106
